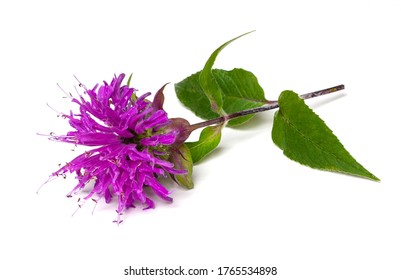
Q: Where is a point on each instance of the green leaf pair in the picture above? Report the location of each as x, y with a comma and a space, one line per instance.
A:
297, 130
239, 89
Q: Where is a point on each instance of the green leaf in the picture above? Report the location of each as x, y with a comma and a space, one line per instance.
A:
305, 138
208, 82
209, 139
240, 90
190, 93
182, 159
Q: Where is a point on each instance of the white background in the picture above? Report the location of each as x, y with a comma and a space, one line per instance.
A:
251, 206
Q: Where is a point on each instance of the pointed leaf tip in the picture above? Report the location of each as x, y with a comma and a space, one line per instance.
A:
158, 100
129, 80
208, 82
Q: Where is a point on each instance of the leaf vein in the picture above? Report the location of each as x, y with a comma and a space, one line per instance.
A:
310, 140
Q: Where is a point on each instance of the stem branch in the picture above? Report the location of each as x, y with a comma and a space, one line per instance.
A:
270, 105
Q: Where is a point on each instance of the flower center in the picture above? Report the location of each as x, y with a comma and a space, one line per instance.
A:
161, 151
131, 140
135, 139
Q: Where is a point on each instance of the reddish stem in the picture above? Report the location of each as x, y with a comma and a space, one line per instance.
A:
270, 105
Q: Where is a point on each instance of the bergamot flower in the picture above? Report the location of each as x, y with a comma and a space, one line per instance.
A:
134, 143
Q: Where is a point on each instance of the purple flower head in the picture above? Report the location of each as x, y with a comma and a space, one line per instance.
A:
133, 140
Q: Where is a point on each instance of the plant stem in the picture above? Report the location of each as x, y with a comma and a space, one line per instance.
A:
270, 105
